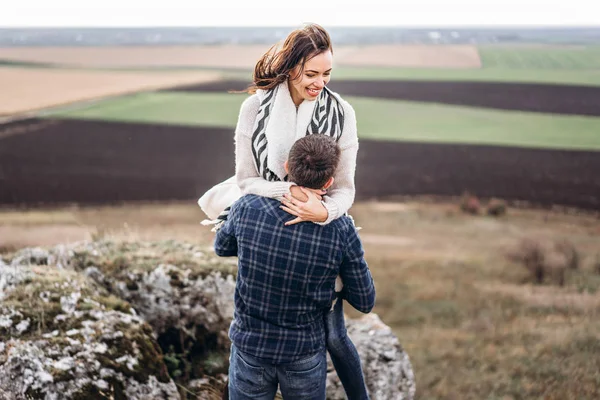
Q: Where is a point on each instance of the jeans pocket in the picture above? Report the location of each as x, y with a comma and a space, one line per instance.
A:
306, 378
248, 378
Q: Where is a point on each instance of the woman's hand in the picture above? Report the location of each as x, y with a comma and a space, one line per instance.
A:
309, 210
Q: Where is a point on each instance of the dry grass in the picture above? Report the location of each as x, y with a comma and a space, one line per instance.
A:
473, 328
28, 89
241, 57
141, 221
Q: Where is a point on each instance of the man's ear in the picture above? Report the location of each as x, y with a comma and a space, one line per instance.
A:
285, 166
328, 184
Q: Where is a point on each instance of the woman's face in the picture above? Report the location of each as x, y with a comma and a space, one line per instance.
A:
316, 74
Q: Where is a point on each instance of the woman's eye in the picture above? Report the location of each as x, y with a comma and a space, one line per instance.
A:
310, 76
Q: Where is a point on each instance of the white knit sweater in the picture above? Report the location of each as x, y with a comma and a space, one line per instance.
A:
286, 126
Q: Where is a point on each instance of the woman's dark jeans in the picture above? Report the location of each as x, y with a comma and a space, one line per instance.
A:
343, 354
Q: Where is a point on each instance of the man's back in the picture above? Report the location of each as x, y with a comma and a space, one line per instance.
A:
286, 277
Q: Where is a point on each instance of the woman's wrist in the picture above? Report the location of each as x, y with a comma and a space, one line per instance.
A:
326, 212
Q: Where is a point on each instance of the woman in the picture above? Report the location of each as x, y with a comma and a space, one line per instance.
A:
290, 100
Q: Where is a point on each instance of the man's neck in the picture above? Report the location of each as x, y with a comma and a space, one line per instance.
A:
298, 194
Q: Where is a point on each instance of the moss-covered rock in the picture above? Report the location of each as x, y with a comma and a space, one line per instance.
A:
63, 336
182, 291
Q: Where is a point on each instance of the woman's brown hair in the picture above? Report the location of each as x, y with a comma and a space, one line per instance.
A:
275, 65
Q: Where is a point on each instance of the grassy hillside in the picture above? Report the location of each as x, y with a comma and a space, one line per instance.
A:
473, 323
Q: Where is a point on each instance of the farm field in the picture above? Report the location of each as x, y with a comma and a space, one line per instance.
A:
121, 152
377, 119
30, 89
562, 77
542, 98
95, 162
237, 56
535, 64
541, 57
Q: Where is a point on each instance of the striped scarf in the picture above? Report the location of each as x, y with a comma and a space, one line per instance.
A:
327, 119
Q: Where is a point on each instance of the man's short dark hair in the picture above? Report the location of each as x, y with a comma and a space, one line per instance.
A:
313, 160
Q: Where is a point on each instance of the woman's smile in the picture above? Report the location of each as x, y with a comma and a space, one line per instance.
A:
313, 92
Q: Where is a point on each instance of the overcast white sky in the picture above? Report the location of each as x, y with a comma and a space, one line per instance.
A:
91, 13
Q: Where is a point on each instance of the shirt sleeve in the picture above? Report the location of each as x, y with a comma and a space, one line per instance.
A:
340, 195
359, 289
225, 240
246, 174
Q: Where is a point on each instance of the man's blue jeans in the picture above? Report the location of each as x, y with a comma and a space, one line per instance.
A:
252, 378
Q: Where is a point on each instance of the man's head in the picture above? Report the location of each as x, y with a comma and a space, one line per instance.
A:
312, 161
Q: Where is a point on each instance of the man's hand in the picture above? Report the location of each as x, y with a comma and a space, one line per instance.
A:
310, 210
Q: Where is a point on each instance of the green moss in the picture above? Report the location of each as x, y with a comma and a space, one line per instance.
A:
118, 260
216, 362
150, 359
112, 302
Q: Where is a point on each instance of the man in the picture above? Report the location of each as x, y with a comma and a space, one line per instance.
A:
285, 283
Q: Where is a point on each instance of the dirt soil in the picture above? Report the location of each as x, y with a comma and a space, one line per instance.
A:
27, 89
92, 162
555, 99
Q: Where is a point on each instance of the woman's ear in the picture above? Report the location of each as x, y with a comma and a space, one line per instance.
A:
328, 184
285, 167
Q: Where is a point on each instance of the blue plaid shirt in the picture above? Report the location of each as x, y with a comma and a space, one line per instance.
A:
286, 278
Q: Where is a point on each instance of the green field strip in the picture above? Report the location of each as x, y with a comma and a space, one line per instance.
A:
177, 108
377, 119
412, 121
508, 70
24, 64
548, 76
542, 58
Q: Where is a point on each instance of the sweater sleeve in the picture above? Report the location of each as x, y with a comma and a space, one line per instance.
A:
340, 195
246, 174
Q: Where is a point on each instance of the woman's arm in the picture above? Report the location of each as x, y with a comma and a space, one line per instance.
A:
340, 195
247, 177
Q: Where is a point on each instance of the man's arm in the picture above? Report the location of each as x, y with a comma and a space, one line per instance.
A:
358, 290
225, 241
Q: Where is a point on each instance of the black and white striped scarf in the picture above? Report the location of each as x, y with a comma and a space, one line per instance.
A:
327, 119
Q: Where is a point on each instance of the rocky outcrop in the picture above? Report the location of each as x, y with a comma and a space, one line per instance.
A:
62, 337
141, 320
387, 368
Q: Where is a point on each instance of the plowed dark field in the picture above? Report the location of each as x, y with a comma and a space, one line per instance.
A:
556, 99
61, 161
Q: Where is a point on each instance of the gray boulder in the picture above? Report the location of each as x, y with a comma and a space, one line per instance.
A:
62, 337
386, 366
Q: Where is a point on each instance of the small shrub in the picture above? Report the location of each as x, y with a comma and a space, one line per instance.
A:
568, 250
496, 208
545, 260
470, 204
